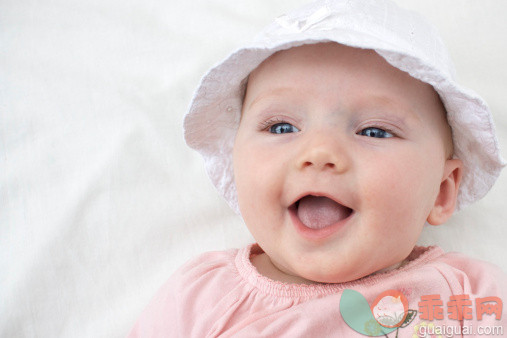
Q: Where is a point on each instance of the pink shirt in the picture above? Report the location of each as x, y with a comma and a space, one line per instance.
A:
222, 294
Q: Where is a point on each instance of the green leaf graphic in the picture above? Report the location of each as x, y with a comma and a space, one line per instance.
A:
356, 312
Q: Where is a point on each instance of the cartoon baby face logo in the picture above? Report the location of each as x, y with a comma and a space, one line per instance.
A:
390, 308
389, 312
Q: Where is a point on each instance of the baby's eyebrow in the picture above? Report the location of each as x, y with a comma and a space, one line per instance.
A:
274, 92
395, 106
368, 103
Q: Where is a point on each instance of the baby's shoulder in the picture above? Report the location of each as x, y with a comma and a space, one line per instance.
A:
469, 274
463, 263
211, 261
192, 299
200, 273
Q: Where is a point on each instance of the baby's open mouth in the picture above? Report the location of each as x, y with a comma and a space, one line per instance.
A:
317, 212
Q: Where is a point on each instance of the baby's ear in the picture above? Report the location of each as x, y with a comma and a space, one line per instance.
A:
448, 193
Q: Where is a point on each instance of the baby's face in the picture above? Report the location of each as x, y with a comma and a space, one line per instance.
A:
340, 123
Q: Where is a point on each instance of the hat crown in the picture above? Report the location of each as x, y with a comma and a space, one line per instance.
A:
402, 37
380, 22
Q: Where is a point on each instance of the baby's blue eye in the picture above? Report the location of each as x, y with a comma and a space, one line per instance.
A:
375, 132
283, 128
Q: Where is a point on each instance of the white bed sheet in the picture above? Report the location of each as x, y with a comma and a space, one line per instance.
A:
101, 200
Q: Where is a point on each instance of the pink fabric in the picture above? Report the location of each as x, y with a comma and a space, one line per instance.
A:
222, 294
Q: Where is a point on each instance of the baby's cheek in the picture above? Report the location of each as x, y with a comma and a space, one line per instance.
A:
391, 191
254, 174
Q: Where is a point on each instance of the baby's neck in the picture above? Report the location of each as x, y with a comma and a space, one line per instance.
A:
266, 268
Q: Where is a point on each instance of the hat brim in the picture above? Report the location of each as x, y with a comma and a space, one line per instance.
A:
214, 114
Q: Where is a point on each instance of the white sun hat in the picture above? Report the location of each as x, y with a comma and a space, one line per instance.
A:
400, 36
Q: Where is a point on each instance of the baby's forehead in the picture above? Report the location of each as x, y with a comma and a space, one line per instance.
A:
329, 71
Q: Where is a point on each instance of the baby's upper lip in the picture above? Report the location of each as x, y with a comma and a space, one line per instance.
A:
319, 194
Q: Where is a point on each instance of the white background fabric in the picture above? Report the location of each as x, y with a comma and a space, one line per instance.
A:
101, 200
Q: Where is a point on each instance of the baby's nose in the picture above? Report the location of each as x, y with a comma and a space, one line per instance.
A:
324, 153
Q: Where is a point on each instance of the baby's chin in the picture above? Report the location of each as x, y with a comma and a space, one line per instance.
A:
338, 275
314, 275
331, 278
323, 267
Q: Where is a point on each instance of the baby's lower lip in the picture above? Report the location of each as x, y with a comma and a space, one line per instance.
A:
316, 235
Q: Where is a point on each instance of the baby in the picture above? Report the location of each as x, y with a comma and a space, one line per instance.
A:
337, 135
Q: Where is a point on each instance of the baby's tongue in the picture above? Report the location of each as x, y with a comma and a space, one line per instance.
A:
317, 212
